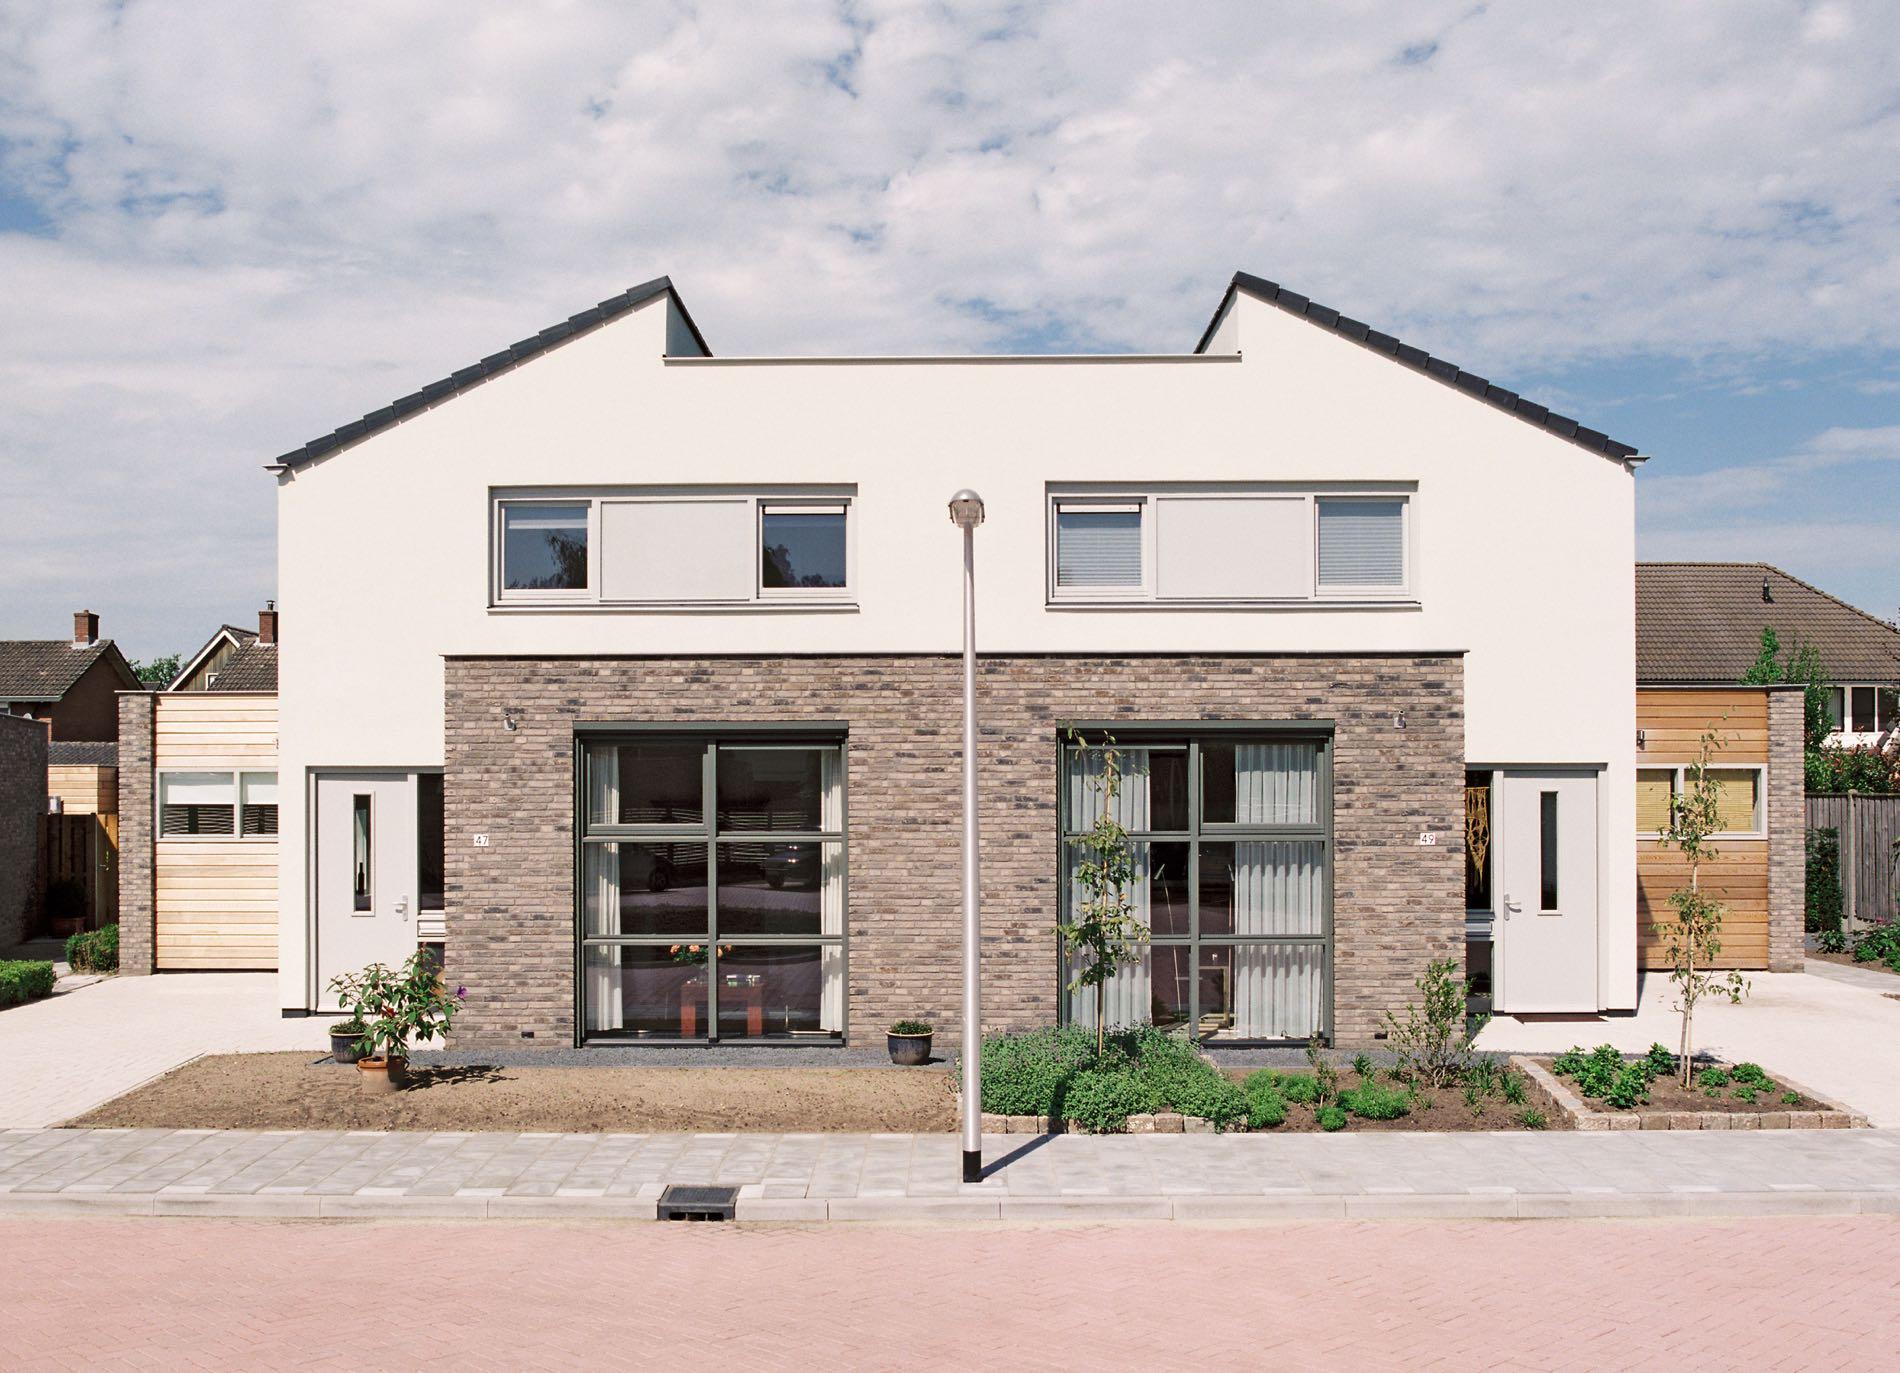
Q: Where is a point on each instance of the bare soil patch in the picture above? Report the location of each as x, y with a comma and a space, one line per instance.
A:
1846, 960
1435, 1110
286, 1091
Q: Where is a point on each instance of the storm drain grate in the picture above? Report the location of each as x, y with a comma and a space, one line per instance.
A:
698, 1203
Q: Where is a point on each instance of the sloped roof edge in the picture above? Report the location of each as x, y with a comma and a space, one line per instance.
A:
476, 373
1419, 361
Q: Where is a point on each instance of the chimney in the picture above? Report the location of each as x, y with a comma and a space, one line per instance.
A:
85, 629
267, 623
1767, 592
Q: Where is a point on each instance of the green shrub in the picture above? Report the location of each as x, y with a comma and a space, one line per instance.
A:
1331, 1118
1711, 1079
1600, 1069
1746, 1093
1531, 1118
910, 1027
1791, 1098
1512, 1089
24, 980
1102, 1099
1371, 1101
1830, 941
1482, 1075
1824, 902
1362, 1064
94, 951
1474, 1099
1570, 1062
1749, 1074
1878, 944
1659, 1062
1266, 1108
1023, 1073
1300, 1087
1628, 1088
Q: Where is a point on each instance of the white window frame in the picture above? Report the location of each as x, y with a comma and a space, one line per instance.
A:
591, 598
1883, 722
1147, 595
500, 591
235, 778
1678, 783
1140, 505
1403, 590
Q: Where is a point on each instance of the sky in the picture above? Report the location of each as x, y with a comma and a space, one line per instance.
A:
226, 228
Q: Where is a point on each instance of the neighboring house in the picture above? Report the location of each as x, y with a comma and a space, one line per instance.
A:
1701, 624
631, 675
199, 795
22, 803
73, 683
71, 688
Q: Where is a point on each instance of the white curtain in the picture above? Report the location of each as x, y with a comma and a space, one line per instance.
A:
1127, 999
1276, 784
1277, 890
831, 898
605, 987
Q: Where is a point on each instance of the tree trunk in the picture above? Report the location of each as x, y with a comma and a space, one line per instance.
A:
1688, 983
1101, 1016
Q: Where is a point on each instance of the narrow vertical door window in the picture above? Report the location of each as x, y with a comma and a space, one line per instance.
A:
1547, 860
360, 852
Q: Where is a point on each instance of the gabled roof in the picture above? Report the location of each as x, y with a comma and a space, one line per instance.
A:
1702, 623
46, 669
252, 666
476, 373
1419, 361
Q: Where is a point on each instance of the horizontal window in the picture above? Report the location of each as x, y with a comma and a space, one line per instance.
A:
672, 547
217, 805
1863, 709
1738, 798
1228, 546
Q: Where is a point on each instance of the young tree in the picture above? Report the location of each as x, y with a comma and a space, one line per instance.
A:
1102, 933
1802, 664
1694, 938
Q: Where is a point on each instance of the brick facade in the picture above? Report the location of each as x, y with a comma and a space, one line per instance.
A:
22, 804
1787, 830
511, 904
137, 727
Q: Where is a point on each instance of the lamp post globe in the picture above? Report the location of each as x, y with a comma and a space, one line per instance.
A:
966, 509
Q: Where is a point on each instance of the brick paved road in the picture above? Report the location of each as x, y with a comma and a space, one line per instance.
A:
357, 1296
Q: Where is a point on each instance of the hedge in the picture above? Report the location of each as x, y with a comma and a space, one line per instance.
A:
94, 951
24, 980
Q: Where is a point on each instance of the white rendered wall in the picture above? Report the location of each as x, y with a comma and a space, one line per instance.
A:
1523, 556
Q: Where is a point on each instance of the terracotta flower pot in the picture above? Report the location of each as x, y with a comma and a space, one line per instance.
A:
380, 1075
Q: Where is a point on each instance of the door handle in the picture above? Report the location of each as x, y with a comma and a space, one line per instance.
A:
1509, 906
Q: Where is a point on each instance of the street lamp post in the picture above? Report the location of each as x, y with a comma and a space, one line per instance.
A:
966, 512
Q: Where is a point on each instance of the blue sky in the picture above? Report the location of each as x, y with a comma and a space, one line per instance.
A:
227, 227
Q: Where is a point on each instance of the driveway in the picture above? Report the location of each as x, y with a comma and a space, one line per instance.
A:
70, 1052
1828, 1033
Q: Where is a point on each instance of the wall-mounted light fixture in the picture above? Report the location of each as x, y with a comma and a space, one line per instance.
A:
1642, 738
1398, 721
509, 720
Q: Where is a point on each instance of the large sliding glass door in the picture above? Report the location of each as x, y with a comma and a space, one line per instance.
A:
1232, 836
712, 888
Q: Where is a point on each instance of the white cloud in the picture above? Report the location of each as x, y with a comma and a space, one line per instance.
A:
268, 219
1756, 485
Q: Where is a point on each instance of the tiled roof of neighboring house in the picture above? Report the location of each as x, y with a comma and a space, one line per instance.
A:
1419, 360
252, 668
1702, 622
476, 373
83, 753
45, 669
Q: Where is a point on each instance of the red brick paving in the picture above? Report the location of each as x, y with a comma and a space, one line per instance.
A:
1334, 1295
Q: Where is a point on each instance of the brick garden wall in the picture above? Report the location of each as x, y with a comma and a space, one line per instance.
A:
511, 905
22, 803
1787, 831
137, 714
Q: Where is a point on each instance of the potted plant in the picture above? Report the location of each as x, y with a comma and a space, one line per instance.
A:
395, 1006
346, 1040
909, 1043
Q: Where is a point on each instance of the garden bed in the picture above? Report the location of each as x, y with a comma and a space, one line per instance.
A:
1604, 1089
287, 1091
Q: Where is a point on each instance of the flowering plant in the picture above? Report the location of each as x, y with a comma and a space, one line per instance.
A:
396, 1005
694, 954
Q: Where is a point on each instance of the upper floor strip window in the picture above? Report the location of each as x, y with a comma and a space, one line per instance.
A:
1230, 545
673, 547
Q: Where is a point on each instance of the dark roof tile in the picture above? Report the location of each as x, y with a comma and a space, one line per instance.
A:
1702, 622
45, 669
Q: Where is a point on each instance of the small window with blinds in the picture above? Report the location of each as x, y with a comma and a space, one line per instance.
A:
1738, 804
257, 815
197, 805
1099, 548
1361, 544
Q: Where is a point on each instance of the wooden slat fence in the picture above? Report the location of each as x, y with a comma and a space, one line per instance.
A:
1868, 826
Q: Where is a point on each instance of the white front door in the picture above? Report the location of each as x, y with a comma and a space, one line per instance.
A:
366, 873
1546, 927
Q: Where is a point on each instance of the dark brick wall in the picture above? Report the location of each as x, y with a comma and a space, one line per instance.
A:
1787, 831
22, 803
137, 716
510, 905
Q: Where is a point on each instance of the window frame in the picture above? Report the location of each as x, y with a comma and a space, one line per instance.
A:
1150, 595
1678, 781
1193, 736
235, 778
708, 831
593, 598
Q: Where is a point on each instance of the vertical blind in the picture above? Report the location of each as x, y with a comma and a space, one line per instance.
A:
1098, 547
1362, 543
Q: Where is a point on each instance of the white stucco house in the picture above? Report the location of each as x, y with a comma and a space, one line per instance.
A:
627, 674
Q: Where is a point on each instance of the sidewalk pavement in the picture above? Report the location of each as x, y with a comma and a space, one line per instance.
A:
78, 1048
1832, 1035
320, 1173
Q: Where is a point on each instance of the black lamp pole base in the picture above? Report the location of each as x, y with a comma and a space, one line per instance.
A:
973, 1165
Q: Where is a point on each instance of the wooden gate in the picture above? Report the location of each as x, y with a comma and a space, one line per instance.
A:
83, 850
1868, 826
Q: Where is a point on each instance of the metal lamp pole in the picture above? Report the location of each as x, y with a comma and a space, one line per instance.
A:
966, 512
